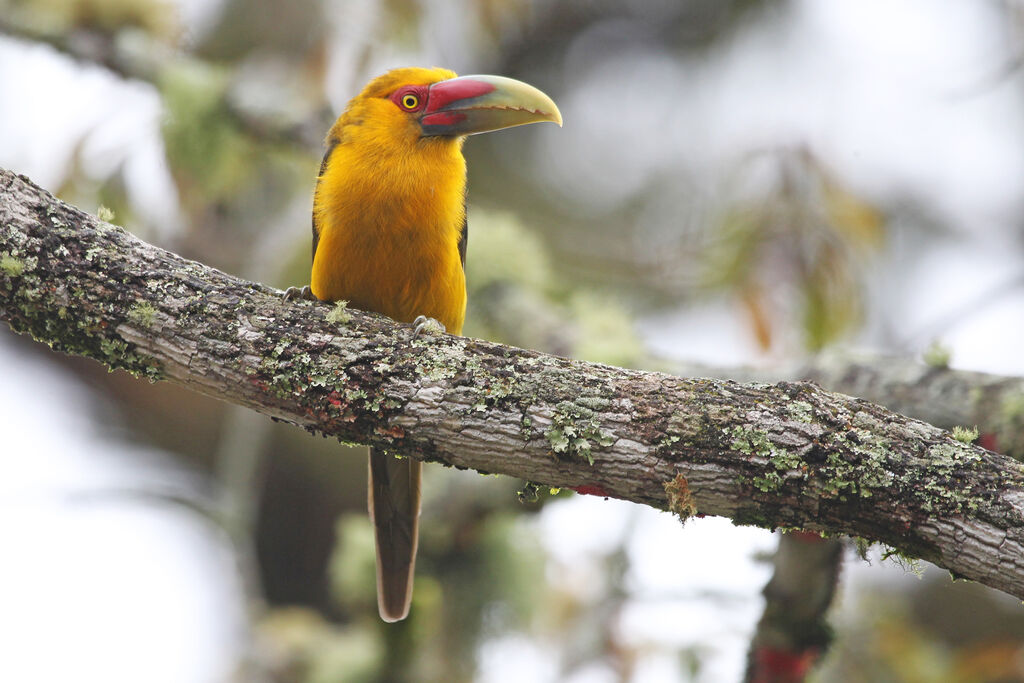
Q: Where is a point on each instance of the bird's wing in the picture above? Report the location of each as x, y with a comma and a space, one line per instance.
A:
331, 144
464, 237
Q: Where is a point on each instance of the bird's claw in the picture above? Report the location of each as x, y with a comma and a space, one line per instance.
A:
423, 323
304, 293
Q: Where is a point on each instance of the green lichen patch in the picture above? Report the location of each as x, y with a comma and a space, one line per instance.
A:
105, 214
113, 348
439, 360
680, 498
119, 355
86, 333
905, 562
757, 444
667, 441
801, 411
693, 423
860, 466
936, 496
11, 265
339, 315
755, 515
771, 481
495, 388
529, 493
526, 428
937, 489
965, 434
142, 314
887, 553
946, 457
594, 403
575, 431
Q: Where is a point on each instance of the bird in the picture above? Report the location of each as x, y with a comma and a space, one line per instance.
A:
390, 236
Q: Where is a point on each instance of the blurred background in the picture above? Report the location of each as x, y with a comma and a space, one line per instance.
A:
738, 183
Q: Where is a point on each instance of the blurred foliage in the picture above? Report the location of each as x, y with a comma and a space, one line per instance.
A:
296, 645
478, 573
505, 252
516, 297
212, 160
158, 18
247, 27
937, 631
606, 331
804, 235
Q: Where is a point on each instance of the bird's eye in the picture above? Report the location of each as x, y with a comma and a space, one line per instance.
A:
410, 101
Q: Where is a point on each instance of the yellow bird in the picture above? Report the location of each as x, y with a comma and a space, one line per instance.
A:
389, 235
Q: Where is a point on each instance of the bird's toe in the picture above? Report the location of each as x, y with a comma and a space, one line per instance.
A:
294, 293
425, 324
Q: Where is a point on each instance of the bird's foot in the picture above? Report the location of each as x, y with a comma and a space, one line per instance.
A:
293, 293
425, 324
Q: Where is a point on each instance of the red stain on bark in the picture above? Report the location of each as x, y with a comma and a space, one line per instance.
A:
806, 536
588, 490
395, 432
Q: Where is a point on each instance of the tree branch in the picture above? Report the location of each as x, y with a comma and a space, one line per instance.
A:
783, 455
938, 395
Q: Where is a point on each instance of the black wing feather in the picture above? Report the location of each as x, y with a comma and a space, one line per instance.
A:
464, 237
331, 144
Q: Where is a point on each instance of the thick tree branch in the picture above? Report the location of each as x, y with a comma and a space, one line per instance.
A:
789, 454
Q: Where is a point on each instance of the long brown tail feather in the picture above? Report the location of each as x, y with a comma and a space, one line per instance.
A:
394, 503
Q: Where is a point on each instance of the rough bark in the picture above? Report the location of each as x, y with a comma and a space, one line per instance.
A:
936, 394
782, 455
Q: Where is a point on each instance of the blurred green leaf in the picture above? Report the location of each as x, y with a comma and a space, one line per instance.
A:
803, 237
209, 157
158, 18
606, 332
502, 250
831, 299
858, 222
352, 568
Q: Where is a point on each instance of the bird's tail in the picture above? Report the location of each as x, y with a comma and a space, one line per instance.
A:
394, 502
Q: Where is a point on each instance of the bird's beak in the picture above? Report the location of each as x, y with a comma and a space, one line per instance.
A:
476, 104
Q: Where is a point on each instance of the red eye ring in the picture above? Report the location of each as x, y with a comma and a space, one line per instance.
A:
410, 98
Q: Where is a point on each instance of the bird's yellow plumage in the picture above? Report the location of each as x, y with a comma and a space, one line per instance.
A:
390, 208
389, 235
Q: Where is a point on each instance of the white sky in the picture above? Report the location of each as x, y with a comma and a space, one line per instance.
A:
98, 583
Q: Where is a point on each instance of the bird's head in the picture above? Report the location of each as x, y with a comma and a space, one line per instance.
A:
433, 104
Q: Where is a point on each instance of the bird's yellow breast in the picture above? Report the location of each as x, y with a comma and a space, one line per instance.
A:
390, 213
